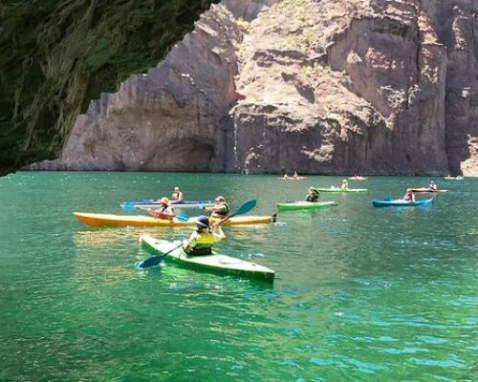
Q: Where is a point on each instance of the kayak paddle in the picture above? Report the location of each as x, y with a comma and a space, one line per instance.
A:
129, 206
182, 218
155, 260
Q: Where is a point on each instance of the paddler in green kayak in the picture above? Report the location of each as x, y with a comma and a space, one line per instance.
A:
203, 238
220, 209
312, 195
345, 184
164, 211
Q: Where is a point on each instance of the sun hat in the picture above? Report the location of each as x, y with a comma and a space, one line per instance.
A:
164, 201
220, 199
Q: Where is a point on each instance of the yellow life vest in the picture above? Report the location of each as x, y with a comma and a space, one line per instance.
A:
203, 243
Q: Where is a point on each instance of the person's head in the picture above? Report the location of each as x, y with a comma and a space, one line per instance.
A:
220, 200
176, 189
202, 223
311, 189
164, 202
409, 192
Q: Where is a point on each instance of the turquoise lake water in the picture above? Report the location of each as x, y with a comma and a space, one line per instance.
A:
361, 293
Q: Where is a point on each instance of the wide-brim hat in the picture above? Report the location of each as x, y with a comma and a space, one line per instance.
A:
220, 199
164, 201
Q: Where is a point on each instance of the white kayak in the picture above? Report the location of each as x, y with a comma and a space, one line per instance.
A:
214, 262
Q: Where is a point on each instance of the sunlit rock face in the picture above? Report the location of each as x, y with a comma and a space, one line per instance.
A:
175, 117
56, 56
331, 86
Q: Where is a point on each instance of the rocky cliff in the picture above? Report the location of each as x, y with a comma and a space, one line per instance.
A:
336, 86
56, 56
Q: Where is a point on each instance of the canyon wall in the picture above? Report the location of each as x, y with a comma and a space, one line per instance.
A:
57, 55
336, 86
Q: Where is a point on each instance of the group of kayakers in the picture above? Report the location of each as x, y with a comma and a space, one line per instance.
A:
410, 195
295, 176
205, 235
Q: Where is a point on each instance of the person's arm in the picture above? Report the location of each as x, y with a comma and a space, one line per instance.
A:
180, 197
190, 242
217, 232
169, 213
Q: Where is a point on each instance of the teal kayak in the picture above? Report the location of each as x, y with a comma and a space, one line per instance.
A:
294, 206
338, 189
214, 263
401, 203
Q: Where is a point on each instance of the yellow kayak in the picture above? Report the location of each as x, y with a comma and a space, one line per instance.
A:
141, 220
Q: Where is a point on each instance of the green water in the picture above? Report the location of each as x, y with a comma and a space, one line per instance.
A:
361, 293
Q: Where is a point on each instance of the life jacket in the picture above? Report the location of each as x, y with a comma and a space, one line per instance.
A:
312, 197
159, 213
176, 196
223, 213
203, 244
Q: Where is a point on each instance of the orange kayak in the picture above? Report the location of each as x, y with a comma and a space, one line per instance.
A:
141, 220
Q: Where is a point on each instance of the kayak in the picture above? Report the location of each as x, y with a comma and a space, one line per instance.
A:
358, 178
292, 178
215, 262
141, 220
338, 189
144, 205
401, 203
303, 205
425, 189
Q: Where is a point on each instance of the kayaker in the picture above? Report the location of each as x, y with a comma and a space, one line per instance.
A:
285, 177
345, 184
409, 196
203, 238
220, 209
177, 195
312, 195
296, 176
164, 211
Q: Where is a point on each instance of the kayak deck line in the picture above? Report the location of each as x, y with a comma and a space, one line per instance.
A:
215, 263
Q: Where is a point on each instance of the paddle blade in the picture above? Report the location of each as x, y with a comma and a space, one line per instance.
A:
246, 207
182, 218
128, 206
149, 262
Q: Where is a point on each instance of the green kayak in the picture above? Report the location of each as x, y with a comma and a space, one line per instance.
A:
213, 263
294, 206
338, 189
